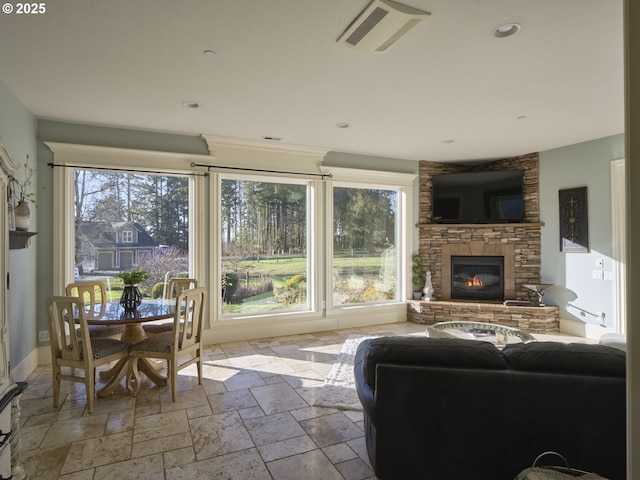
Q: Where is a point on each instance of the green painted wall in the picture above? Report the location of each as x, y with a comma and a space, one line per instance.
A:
18, 135
578, 294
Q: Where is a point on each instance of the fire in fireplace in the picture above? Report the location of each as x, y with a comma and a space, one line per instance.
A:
477, 277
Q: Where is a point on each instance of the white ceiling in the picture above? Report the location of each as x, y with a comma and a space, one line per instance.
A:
279, 72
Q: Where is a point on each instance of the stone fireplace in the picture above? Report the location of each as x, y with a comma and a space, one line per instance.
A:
517, 244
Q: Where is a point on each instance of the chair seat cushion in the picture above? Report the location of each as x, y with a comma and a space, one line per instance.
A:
155, 328
104, 347
156, 343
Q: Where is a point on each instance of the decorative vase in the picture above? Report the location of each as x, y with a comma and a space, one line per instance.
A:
428, 288
22, 216
131, 298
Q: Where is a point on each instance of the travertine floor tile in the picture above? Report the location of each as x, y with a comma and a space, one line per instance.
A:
219, 434
251, 419
160, 426
143, 468
331, 429
312, 465
97, 451
279, 397
273, 428
244, 465
83, 428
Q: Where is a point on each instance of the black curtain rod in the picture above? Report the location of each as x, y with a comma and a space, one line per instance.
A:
208, 167
130, 170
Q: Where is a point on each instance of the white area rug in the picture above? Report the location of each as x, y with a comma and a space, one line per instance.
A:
339, 389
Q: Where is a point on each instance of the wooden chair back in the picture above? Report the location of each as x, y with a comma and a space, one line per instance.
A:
67, 326
183, 340
73, 348
93, 295
187, 324
177, 285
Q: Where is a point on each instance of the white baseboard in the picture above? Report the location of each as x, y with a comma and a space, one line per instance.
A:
39, 356
583, 329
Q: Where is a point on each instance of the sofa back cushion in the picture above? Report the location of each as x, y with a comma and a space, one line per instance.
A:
566, 358
424, 351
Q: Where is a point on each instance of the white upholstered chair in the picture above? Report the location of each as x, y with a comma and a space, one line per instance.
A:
183, 340
69, 332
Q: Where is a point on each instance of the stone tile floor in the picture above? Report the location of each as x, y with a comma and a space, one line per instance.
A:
251, 419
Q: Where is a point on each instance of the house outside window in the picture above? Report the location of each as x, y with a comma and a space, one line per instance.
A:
106, 243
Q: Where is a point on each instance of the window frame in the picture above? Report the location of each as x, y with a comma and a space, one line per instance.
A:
249, 157
127, 236
312, 246
375, 179
70, 156
399, 233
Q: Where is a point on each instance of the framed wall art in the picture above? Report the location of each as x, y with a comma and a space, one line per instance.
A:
574, 224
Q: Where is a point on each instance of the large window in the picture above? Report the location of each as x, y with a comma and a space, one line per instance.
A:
124, 221
278, 251
264, 246
365, 254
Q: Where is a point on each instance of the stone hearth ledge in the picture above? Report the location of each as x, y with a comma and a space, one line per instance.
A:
529, 319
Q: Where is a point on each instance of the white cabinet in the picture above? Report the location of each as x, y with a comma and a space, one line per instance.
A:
9, 390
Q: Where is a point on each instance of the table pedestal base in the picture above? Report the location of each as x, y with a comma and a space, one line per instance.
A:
133, 333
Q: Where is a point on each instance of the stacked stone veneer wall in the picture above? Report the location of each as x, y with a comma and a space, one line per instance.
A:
520, 243
523, 239
527, 163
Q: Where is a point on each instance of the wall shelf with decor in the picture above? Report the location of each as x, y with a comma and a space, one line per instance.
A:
19, 239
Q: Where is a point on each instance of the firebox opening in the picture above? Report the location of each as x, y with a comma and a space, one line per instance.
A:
477, 277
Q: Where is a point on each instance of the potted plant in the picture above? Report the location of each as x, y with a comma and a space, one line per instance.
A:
417, 279
131, 297
24, 195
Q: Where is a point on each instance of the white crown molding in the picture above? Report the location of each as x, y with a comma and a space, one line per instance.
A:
370, 176
214, 141
92, 155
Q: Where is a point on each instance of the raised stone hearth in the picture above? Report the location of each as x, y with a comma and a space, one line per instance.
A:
529, 319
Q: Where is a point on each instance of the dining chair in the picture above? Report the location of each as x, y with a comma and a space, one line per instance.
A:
174, 287
70, 348
94, 297
184, 340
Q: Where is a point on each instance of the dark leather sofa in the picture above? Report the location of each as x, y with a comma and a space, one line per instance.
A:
451, 409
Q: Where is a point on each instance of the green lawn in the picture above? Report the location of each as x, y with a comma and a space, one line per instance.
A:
281, 269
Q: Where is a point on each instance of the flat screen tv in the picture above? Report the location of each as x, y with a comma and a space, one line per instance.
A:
478, 197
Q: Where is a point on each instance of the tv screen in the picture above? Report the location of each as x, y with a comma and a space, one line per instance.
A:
478, 197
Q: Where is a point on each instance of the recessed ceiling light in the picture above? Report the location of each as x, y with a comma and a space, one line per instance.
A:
209, 53
507, 30
449, 140
190, 104
342, 125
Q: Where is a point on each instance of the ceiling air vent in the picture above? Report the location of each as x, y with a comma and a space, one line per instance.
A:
380, 25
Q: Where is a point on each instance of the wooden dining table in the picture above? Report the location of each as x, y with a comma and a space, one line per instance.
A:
115, 314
